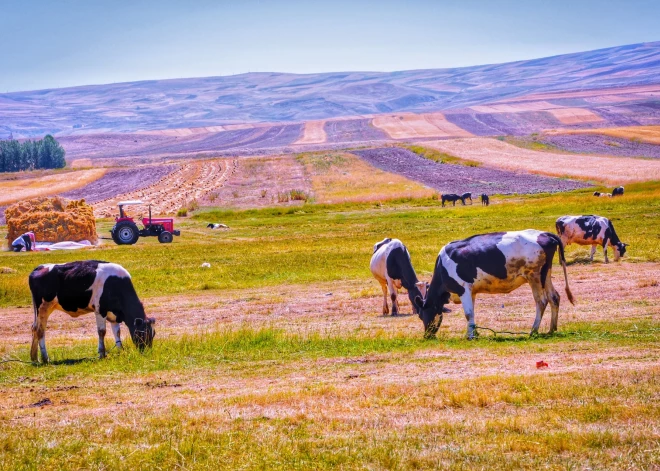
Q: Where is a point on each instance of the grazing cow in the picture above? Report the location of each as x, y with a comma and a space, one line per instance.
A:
596, 193
78, 288
391, 266
466, 196
618, 191
493, 263
590, 230
485, 201
451, 198
217, 226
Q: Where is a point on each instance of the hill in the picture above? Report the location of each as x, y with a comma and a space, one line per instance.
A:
281, 97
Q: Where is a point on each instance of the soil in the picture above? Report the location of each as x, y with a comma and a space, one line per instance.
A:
353, 130
447, 178
604, 145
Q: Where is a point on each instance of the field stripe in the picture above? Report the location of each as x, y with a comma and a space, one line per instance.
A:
575, 115
314, 133
411, 125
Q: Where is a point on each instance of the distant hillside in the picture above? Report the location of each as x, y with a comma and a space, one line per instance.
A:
277, 97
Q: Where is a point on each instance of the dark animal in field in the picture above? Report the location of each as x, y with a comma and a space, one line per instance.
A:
466, 196
217, 226
391, 266
79, 288
618, 191
493, 263
485, 200
596, 193
451, 198
590, 230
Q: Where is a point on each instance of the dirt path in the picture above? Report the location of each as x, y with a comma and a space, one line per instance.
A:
447, 178
496, 153
314, 133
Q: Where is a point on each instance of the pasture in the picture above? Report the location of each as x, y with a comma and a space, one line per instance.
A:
277, 355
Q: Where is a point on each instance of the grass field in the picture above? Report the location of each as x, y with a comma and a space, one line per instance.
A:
283, 378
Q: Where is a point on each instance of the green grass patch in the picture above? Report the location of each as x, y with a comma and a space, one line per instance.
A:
441, 157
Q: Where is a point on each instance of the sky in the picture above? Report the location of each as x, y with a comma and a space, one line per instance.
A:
60, 43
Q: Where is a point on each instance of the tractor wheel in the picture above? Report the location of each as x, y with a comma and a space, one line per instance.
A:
165, 237
125, 233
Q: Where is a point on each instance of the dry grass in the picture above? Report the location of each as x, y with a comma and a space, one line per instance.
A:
339, 177
410, 125
496, 153
314, 133
575, 115
26, 188
650, 134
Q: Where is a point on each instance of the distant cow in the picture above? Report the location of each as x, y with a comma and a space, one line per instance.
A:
485, 201
391, 266
494, 263
618, 191
79, 288
596, 193
451, 198
590, 230
217, 226
466, 196
605, 195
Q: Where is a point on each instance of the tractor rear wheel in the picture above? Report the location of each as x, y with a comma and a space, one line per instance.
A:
165, 237
125, 233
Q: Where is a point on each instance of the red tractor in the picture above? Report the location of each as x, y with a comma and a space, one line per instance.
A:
125, 231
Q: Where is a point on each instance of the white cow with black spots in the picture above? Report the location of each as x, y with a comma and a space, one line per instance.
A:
590, 230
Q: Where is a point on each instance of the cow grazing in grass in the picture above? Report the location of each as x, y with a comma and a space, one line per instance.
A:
79, 288
590, 230
618, 191
596, 193
217, 226
451, 198
493, 263
391, 266
485, 200
466, 196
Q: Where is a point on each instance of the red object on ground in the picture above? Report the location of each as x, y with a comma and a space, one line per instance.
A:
541, 364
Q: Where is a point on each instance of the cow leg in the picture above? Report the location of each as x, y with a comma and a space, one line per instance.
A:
39, 331
116, 331
604, 252
541, 303
393, 293
383, 285
468, 307
553, 297
593, 251
100, 327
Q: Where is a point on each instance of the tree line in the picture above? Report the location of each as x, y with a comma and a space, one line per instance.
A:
29, 155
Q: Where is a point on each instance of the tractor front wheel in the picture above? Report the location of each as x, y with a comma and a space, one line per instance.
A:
165, 237
125, 233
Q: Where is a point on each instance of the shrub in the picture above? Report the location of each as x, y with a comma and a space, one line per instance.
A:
298, 195
234, 194
213, 196
264, 193
182, 212
193, 205
282, 197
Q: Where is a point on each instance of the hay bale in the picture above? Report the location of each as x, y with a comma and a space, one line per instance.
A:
52, 220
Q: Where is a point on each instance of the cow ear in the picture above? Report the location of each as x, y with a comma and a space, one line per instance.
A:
419, 302
151, 320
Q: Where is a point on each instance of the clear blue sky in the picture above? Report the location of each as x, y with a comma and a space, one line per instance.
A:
57, 43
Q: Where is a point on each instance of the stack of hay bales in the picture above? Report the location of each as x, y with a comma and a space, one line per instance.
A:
52, 220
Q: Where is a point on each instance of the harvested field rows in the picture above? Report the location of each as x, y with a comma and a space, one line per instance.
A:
448, 178
194, 180
353, 130
496, 153
409, 125
47, 185
120, 181
575, 115
646, 134
313, 133
602, 144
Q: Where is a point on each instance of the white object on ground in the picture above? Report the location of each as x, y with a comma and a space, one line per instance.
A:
63, 245
206, 265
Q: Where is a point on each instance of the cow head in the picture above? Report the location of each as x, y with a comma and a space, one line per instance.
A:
619, 250
422, 289
430, 312
143, 332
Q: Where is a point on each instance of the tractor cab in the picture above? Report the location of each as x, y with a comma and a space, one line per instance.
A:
125, 231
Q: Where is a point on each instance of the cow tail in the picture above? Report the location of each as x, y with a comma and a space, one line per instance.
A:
562, 260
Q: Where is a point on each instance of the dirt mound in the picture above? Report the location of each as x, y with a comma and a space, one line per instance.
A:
52, 220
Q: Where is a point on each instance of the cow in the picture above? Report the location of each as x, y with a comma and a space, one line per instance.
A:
605, 195
466, 196
596, 193
391, 266
450, 197
82, 287
493, 263
618, 191
217, 226
485, 201
590, 230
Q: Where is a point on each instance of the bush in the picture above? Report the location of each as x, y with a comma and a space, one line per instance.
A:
182, 212
264, 193
193, 205
213, 196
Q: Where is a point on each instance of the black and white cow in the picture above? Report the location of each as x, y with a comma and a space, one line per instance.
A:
217, 226
451, 198
485, 201
493, 263
79, 288
590, 230
618, 191
466, 196
391, 266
